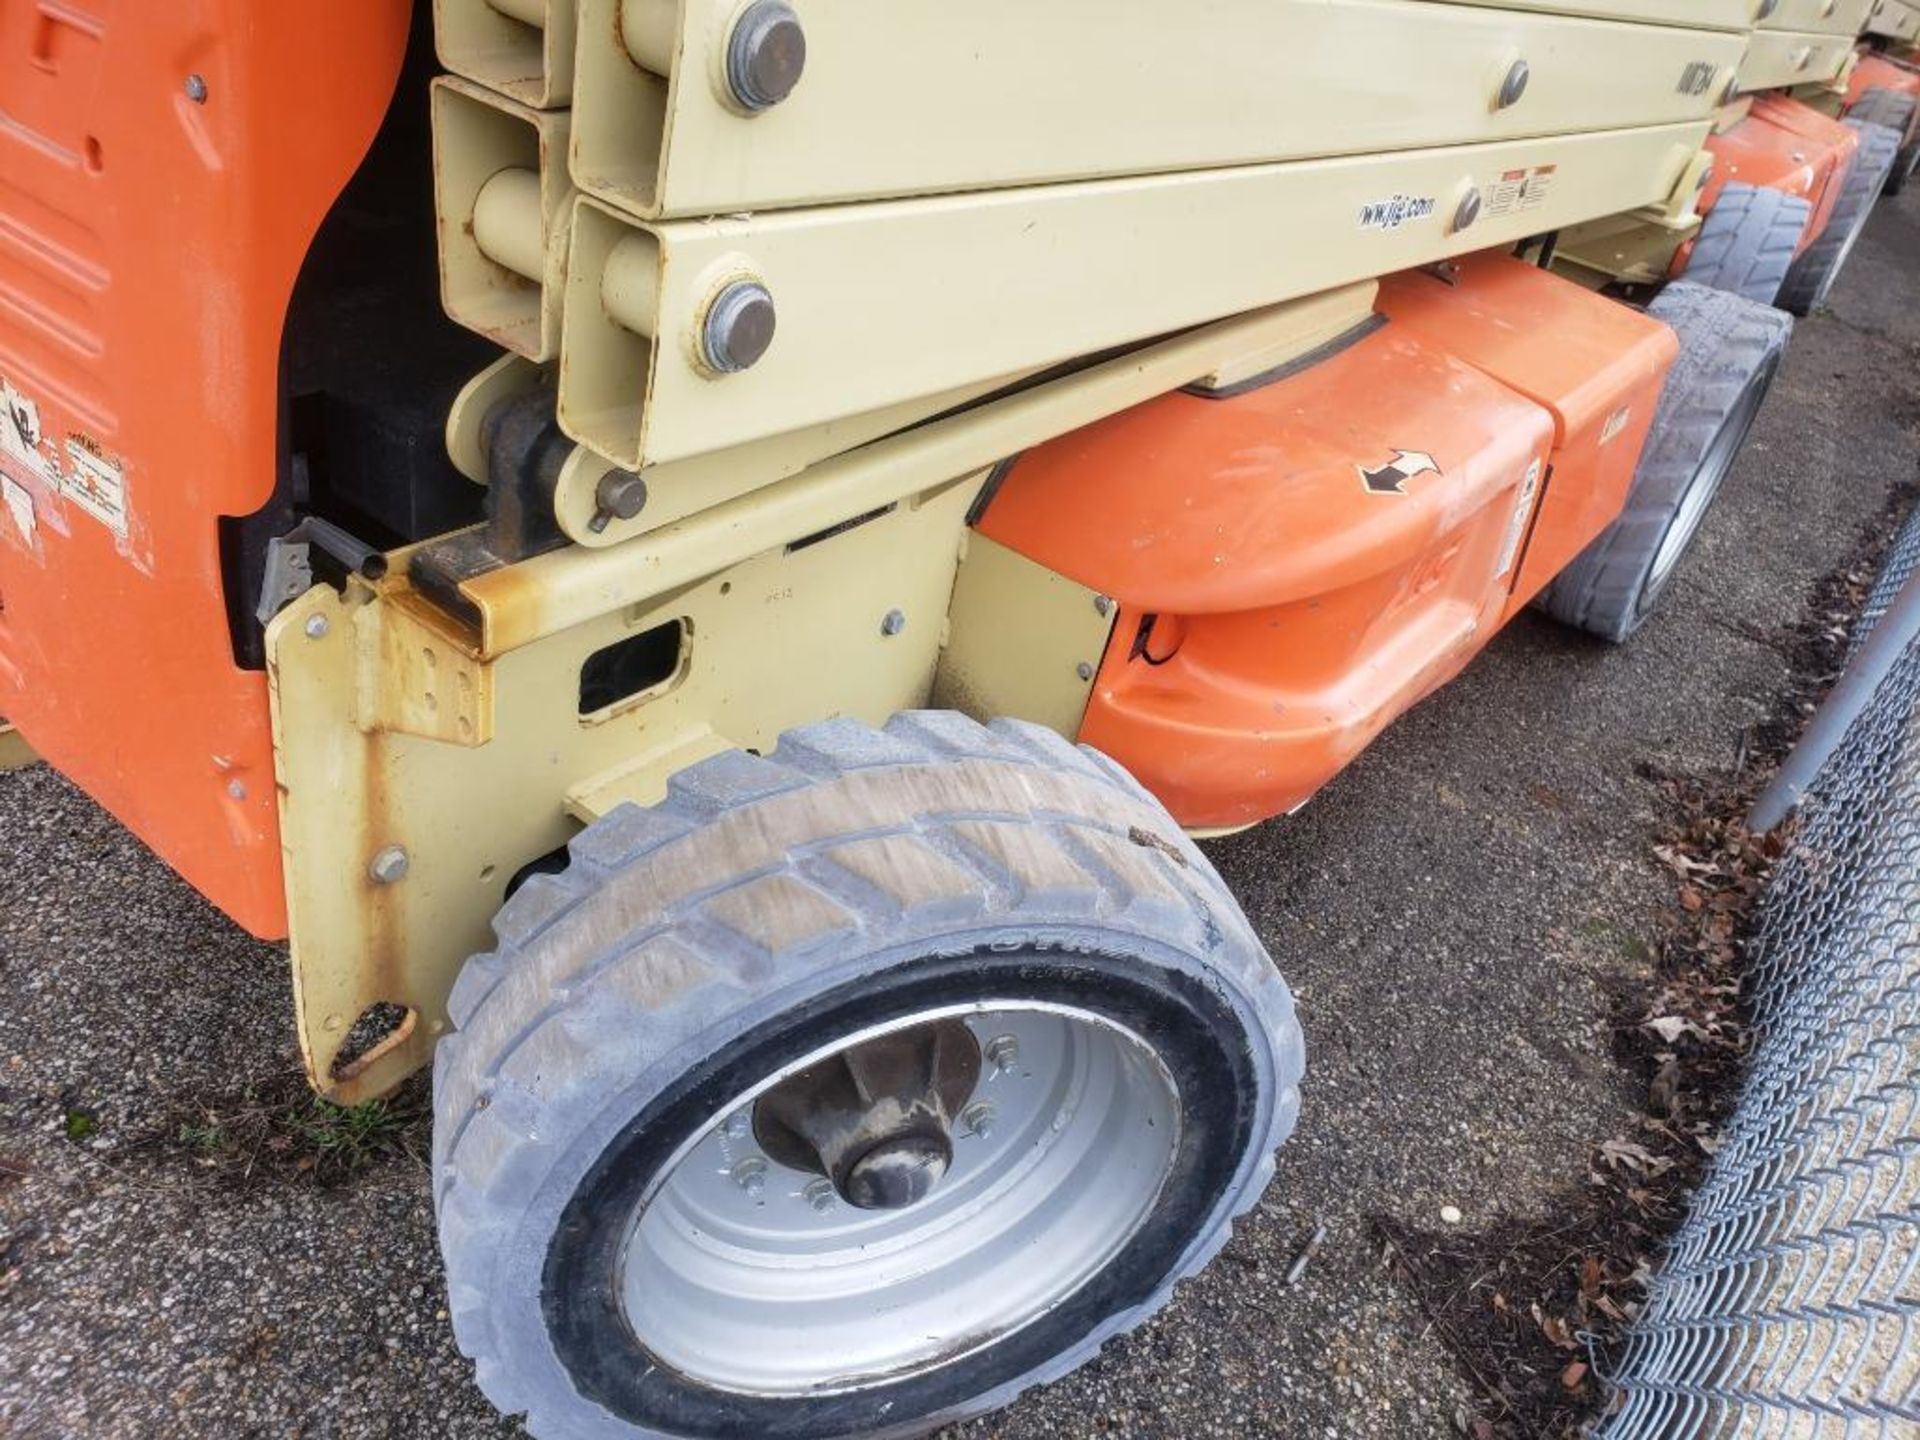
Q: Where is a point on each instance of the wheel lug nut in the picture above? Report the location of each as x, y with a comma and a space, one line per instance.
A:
819, 1194
738, 1125
1002, 1052
750, 1174
977, 1119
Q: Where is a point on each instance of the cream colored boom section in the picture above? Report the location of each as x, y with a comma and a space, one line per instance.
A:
1895, 21
917, 97
877, 304
1820, 17
1780, 58
522, 48
1706, 14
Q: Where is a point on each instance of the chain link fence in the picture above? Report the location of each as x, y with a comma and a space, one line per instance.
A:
1789, 1304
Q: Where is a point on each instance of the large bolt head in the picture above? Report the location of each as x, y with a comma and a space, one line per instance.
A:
739, 327
390, 866
766, 55
621, 494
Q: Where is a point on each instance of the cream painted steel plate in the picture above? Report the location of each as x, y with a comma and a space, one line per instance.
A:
1780, 58
912, 97
1895, 20
881, 303
1705, 14
1820, 17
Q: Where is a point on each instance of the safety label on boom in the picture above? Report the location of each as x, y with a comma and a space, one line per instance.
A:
1520, 190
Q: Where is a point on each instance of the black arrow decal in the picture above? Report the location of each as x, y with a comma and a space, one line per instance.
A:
1392, 478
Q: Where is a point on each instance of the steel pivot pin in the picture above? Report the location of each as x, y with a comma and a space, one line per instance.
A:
1513, 86
739, 327
766, 55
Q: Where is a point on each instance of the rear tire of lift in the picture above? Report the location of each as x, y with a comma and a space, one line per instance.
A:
1812, 277
1880, 106
1748, 242
851, 1090
1730, 351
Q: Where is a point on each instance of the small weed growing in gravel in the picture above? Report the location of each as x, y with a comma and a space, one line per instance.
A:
281, 1128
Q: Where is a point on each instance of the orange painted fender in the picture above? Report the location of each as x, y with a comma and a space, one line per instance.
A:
167, 163
1299, 564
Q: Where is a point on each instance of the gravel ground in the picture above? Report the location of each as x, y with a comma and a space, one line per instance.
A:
1457, 914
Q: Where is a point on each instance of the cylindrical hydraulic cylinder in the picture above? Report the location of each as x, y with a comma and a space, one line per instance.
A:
630, 288
651, 29
507, 222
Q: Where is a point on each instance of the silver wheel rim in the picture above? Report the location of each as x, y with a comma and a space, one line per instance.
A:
750, 1277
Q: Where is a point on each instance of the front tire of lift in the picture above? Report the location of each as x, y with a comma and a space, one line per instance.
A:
850, 1091
1730, 352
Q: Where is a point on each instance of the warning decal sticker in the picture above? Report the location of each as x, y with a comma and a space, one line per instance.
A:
1520, 190
1517, 527
96, 482
40, 467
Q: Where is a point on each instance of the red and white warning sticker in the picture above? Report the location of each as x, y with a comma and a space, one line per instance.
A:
1515, 191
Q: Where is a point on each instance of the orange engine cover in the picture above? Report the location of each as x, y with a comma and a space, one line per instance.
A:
1781, 145
167, 163
1299, 564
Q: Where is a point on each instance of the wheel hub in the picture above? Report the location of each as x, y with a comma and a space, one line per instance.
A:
900, 1198
875, 1119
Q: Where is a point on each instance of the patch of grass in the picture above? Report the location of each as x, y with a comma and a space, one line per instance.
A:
279, 1127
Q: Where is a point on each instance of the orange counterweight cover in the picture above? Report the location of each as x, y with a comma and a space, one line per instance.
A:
1784, 145
166, 163
1299, 564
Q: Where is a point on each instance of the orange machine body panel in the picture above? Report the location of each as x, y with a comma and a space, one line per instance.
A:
1600, 379
1299, 564
166, 166
1781, 145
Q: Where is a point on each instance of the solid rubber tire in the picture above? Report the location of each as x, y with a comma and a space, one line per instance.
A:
621, 981
1814, 274
1748, 241
1895, 110
1727, 346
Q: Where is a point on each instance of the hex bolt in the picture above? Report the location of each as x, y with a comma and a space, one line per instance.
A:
620, 495
740, 1125
893, 624
766, 55
390, 866
1468, 210
317, 627
819, 1194
1002, 1052
977, 1119
1102, 606
1514, 85
237, 789
739, 327
197, 88
750, 1174
1084, 670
